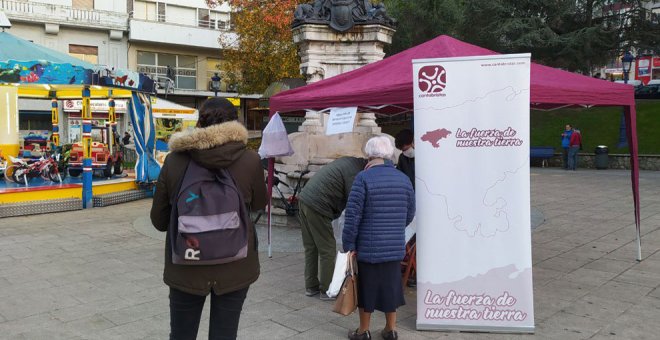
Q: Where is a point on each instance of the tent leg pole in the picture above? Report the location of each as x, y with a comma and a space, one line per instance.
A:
639, 248
271, 169
270, 228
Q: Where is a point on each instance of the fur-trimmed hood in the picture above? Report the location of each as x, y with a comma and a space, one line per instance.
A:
213, 147
208, 137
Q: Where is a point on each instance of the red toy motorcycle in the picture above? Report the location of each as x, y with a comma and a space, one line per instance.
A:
22, 172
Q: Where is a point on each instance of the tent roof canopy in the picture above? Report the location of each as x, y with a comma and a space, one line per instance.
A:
25, 63
15, 48
387, 84
389, 81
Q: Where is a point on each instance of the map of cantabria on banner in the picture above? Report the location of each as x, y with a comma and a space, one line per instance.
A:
473, 196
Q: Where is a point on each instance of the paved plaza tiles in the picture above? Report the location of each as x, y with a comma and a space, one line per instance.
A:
97, 274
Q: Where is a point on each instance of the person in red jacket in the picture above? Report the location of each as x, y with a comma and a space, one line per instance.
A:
574, 146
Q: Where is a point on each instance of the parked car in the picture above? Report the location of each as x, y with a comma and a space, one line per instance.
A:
107, 156
648, 92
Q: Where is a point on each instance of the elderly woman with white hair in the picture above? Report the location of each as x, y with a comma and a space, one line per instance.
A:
380, 206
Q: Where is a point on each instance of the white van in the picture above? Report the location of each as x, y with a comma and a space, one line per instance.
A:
632, 82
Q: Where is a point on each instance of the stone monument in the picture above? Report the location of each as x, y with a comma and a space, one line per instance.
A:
333, 37
337, 36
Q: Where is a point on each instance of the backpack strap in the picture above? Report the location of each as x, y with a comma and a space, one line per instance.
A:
174, 211
173, 198
227, 174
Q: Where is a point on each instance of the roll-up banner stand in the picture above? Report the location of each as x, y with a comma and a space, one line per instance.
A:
474, 256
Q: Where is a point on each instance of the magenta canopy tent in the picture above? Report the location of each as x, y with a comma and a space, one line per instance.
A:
387, 84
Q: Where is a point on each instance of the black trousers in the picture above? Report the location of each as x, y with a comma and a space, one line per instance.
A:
186, 312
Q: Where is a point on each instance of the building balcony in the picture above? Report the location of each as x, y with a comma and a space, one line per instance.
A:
177, 34
63, 15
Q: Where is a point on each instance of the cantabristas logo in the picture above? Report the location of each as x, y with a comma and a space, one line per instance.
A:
432, 80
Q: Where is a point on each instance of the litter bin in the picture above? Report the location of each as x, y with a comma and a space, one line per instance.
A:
602, 159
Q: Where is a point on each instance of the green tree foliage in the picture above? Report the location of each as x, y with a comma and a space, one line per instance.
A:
640, 28
264, 51
559, 33
422, 20
577, 35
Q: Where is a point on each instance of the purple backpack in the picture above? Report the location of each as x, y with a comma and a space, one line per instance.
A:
209, 223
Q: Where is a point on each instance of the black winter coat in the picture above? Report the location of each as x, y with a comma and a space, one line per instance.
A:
214, 147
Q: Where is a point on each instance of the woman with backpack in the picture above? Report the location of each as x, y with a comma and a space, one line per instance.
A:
185, 208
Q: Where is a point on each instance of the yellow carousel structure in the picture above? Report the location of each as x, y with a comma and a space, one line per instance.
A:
28, 70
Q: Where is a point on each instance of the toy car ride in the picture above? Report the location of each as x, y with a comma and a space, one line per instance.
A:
34, 146
106, 153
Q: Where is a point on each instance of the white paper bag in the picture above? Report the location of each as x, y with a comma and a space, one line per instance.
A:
338, 229
411, 229
338, 275
275, 140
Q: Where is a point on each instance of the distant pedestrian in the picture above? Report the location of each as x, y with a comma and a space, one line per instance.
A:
322, 200
380, 206
126, 139
575, 144
404, 141
218, 143
170, 73
565, 143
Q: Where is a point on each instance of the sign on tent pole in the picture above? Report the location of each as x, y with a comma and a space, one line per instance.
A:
341, 120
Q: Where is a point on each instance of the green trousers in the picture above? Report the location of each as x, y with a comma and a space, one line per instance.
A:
320, 247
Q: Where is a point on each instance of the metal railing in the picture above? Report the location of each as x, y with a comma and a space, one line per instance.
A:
130, 155
17, 6
41, 12
83, 15
214, 24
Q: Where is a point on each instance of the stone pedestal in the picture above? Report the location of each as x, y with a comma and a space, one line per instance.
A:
325, 53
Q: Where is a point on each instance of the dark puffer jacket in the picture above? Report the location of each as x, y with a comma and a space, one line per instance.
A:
380, 206
328, 190
220, 146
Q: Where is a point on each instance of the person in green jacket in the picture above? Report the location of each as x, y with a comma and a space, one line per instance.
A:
322, 200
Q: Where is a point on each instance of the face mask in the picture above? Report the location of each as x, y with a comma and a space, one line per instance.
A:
410, 153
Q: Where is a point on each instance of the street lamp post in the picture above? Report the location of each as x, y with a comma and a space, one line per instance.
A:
215, 83
626, 62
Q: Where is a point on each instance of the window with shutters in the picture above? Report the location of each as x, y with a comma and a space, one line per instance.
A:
203, 18
161, 9
183, 68
89, 54
83, 4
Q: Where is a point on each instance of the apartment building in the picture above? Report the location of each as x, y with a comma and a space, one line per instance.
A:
646, 66
182, 35
96, 31
175, 39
